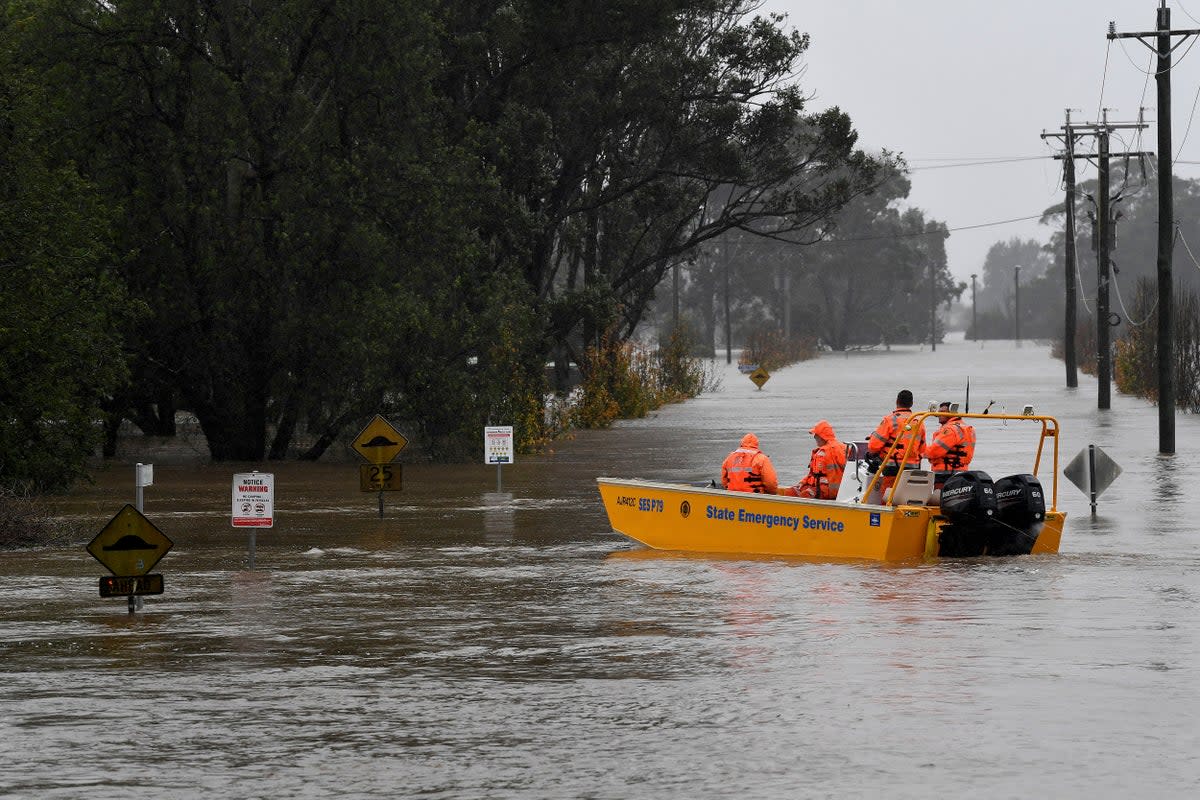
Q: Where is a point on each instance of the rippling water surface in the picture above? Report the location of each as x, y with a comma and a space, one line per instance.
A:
475, 643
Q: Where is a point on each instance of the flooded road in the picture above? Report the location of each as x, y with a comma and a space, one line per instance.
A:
508, 645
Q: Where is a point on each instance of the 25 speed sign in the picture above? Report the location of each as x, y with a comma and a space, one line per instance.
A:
379, 477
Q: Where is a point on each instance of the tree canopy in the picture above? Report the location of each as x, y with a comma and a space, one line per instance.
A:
286, 217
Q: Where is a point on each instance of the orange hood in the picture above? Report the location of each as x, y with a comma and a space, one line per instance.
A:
750, 441
824, 430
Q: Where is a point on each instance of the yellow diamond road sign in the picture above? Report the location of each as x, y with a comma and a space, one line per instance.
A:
760, 376
379, 442
129, 544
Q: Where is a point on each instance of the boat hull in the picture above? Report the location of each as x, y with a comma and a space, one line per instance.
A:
668, 516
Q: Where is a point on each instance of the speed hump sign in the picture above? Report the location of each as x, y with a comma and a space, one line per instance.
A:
379, 442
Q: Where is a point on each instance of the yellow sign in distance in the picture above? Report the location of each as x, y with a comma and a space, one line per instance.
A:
129, 545
379, 442
380, 477
760, 376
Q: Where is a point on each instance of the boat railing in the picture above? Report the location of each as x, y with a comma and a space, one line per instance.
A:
900, 456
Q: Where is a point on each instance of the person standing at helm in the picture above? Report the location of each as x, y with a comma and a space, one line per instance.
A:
748, 469
953, 446
895, 427
825, 467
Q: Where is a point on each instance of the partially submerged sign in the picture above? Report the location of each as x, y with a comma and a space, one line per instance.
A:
253, 500
380, 477
129, 545
760, 376
1092, 471
379, 442
498, 444
131, 585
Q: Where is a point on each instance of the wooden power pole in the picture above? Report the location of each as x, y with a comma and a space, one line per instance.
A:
1072, 132
1071, 270
1161, 37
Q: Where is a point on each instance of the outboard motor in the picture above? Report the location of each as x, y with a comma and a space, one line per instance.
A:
969, 497
1020, 511
968, 503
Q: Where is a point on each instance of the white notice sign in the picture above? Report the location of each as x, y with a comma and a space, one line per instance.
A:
498, 444
253, 500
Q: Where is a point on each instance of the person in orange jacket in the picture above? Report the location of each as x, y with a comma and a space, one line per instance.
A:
953, 446
826, 466
748, 469
892, 428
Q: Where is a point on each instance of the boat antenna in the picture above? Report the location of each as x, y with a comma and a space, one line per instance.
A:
967, 404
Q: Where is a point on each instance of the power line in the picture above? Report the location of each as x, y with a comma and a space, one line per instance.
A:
928, 233
980, 163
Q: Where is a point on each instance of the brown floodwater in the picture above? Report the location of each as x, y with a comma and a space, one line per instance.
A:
507, 644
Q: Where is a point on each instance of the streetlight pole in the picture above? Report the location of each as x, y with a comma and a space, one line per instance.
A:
725, 272
974, 316
1017, 303
932, 308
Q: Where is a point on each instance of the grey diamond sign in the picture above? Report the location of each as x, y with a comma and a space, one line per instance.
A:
1092, 471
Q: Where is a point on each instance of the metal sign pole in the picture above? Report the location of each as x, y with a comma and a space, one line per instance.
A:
1092, 476
252, 539
135, 602
381, 503
498, 468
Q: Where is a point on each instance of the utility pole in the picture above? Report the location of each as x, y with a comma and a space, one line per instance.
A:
1104, 224
1103, 265
1069, 265
1163, 49
1070, 268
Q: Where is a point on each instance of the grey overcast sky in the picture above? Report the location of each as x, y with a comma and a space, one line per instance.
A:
951, 83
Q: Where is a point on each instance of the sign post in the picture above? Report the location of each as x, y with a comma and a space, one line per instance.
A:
1092, 471
253, 504
143, 476
129, 546
379, 443
498, 448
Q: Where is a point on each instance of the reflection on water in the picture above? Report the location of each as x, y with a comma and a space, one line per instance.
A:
475, 643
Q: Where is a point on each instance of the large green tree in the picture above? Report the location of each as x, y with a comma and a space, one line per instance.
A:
335, 207
61, 303
296, 224
632, 132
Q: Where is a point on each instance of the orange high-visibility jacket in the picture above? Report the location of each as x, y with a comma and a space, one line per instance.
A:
953, 446
826, 466
748, 469
890, 429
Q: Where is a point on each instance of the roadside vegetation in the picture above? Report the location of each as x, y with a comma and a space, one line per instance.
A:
1132, 296
27, 521
626, 380
771, 350
1135, 361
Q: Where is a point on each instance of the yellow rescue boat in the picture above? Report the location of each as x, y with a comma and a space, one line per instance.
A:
923, 515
